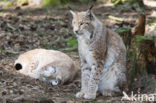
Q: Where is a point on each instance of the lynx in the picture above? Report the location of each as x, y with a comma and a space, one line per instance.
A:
47, 65
102, 56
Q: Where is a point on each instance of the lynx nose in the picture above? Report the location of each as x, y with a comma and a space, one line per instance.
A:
76, 31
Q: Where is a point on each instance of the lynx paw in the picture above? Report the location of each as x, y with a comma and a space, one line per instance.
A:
54, 82
79, 95
89, 96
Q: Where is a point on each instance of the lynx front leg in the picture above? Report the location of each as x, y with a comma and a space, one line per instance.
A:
85, 75
93, 82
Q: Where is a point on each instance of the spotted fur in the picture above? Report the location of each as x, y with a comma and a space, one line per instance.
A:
102, 56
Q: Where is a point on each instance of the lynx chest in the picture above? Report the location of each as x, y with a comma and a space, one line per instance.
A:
84, 50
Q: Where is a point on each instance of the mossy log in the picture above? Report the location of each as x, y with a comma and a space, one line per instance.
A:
147, 53
141, 50
141, 57
126, 34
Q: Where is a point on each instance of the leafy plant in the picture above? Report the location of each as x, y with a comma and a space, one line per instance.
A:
10, 4
141, 38
47, 46
51, 3
116, 2
72, 42
55, 48
123, 30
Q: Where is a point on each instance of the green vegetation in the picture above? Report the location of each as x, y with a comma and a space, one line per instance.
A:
141, 53
123, 30
46, 3
47, 46
116, 2
94, 102
142, 38
152, 20
1, 100
71, 44
125, 33
22, 1
51, 3
84, 1
10, 4
27, 102
130, 2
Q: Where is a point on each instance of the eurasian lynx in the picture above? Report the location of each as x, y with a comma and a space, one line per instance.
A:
102, 56
47, 65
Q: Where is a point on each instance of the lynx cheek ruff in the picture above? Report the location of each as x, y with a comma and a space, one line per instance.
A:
46, 65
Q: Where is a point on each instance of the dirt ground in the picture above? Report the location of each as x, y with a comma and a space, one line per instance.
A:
28, 28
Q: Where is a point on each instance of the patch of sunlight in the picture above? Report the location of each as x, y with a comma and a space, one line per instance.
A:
153, 14
104, 5
151, 27
150, 3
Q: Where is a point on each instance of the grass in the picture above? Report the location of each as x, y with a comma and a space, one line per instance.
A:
139, 38
47, 46
122, 30
71, 44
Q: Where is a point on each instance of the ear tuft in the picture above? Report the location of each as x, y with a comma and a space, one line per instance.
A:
18, 66
91, 7
89, 12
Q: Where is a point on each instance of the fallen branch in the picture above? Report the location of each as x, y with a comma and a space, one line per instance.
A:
116, 18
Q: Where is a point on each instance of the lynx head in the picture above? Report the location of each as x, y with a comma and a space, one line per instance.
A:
83, 22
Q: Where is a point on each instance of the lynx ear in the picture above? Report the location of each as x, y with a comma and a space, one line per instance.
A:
89, 12
73, 13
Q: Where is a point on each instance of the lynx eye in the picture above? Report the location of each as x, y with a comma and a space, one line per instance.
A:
81, 24
87, 23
